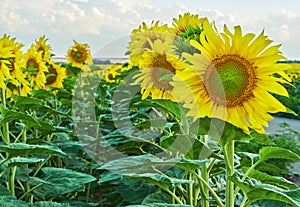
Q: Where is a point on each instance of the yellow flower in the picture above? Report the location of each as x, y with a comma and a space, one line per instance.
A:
184, 22
79, 54
35, 67
157, 67
42, 46
233, 77
17, 76
141, 38
111, 73
55, 75
6, 53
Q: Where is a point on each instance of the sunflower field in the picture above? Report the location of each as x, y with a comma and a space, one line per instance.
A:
172, 127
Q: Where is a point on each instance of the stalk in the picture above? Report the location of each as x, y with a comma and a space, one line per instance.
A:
205, 176
6, 140
229, 157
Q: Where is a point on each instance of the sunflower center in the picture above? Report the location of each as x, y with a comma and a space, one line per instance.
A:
78, 55
32, 65
51, 75
230, 80
161, 72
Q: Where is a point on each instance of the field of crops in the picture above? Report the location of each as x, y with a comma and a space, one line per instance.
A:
181, 124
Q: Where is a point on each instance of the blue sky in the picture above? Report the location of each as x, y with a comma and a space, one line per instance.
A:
106, 24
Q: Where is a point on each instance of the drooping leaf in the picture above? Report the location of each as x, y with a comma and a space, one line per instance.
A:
50, 204
270, 152
58, 181
10, 115
11, 201
256, 192
169, 107
160, 205
22, 161
262, 138
22, 149
157, 197
188, 145
268, 179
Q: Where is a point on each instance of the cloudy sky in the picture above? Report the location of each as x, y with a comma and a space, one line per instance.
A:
106, 24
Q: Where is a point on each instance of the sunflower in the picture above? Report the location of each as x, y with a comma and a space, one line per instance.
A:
183, 23
111, 73
55, 75
42, 46
35, 68
5, 55
233, 77
79, 54
157, 68
142, 36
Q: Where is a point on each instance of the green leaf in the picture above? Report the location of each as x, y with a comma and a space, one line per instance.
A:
268, 179
22, 161
24, 101
145, 163
157, 197
22, 149
258, 192
262, 138
58, 181
10, 115
50, 204
11, 201
190, 146
269, 152
160, 205
4, 191
168, 106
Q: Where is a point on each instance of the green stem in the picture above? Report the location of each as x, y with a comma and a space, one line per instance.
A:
205, 176
6, 140
190, 192
174, 196
246, 176
229, 158
213, 193
27, 192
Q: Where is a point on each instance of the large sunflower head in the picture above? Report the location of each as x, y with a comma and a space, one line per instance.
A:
157, 67
35, 68
42, 46
234, 78
55, 75
143, 36
79, 54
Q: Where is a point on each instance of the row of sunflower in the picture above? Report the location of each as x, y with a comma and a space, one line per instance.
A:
20, 72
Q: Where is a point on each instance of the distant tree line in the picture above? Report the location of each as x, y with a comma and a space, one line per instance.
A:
100, 61
288, 61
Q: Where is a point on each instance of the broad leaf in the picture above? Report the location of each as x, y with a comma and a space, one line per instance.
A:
22, 149
157, 197
268, 179
58, 181
11, 201
50, 204
269, 152
160, 205
22, 161
10, 115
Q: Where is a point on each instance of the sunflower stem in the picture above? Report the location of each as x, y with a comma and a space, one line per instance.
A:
229, 158
205, 176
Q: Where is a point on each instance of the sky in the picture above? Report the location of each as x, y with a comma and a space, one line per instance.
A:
106, 24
